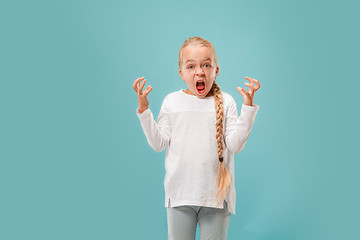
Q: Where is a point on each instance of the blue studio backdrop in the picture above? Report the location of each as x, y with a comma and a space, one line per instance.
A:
75, 164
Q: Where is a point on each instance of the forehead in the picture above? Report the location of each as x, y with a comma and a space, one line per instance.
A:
196, 53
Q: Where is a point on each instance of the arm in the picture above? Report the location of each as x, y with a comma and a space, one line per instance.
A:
237, 129
157, 133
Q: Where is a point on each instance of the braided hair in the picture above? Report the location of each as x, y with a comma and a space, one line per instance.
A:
223, 178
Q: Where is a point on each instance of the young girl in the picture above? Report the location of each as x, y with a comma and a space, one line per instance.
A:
201, 131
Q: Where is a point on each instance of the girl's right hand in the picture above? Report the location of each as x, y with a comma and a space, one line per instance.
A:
142, 95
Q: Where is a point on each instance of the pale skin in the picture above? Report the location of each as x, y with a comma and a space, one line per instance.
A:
200, 67
248, 96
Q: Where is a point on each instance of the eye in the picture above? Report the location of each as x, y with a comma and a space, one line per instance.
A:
207, 65
190, 66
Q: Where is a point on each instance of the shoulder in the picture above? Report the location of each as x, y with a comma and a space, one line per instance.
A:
230, 106
227, 99
174, 94
172, 97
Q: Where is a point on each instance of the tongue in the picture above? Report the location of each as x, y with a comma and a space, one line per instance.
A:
200, 86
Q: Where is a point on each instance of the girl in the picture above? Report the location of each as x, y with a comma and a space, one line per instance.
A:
201, 130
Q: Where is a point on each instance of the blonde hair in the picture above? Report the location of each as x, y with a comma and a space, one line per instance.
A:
197, 41
223, 178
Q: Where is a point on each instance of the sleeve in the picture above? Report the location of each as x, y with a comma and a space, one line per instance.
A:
237, 129
157, 133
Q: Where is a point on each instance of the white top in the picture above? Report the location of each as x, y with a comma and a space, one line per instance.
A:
186, 128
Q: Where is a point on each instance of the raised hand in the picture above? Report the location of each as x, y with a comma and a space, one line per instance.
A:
142, 95
249, 95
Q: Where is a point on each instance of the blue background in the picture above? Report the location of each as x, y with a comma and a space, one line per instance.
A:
75, 163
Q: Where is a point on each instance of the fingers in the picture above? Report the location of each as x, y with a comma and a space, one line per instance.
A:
147, 90
251, 87
141, 86
243, 92
135, 84
252, 81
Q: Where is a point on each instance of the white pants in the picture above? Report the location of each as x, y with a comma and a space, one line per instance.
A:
182, 222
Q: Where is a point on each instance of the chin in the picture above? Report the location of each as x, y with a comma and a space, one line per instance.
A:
206, 94
200, 96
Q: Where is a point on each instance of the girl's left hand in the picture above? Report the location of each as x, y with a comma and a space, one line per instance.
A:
249, 95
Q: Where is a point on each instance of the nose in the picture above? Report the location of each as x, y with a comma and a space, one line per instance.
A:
199, 71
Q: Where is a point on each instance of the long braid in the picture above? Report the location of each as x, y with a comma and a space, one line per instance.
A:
219, 117
223, 178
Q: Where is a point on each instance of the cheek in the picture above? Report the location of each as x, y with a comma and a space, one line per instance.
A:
188, 73
211, 73
211, 70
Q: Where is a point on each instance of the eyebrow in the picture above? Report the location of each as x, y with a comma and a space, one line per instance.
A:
190, 60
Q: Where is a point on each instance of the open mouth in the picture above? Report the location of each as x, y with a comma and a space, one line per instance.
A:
200, 87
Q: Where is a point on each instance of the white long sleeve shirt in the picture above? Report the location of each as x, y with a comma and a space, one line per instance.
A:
186, 128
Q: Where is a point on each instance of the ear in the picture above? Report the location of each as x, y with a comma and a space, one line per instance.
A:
217, 71
181, 75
